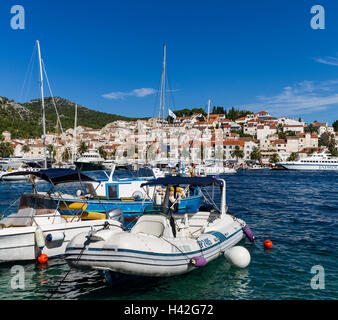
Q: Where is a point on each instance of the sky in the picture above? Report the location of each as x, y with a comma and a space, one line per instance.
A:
107, 55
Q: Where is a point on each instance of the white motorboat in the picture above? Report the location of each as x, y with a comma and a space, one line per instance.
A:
212, 170
39, 227
90, 160
315, 161
163, 242
258, 167
19, 176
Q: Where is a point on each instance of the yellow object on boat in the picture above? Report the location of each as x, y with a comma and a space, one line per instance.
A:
128, 199
73, 206
90, 215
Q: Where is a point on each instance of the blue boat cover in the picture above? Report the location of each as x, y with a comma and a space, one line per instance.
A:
56, 175
176, 180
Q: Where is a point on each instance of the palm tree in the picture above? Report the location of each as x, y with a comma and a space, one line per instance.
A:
66, 154
6, 149
25, 148
332, 141
312, 150
237, 153
293, 156
332, 145
82, 148
256, 154
102, 152
274, 158
311, 128
51, 151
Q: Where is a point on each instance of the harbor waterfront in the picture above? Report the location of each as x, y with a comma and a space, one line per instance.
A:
296, 210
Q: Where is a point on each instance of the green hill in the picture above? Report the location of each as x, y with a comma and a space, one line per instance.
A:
25, 120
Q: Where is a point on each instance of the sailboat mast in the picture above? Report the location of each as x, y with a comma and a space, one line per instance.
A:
208, 113
43, 105
74, 138
163, 82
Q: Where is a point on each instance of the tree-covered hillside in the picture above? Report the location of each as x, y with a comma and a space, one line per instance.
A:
25, 120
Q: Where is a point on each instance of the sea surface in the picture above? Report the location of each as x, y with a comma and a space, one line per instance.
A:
296, 210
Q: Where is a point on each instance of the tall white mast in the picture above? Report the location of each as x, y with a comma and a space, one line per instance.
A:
163, 83
74, 138
43, 105
208, 113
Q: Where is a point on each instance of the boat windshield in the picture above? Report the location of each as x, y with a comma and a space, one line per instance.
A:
30, 205
126, 172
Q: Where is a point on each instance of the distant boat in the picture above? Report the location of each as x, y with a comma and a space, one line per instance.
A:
258, 167
90, 161
211, 170
17, 165
316, 161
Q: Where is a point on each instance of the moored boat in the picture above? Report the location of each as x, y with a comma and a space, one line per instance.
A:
126, 193
315, 161
39, 226
164, 242
90, 161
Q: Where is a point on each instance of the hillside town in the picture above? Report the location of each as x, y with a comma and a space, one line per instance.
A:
255, 137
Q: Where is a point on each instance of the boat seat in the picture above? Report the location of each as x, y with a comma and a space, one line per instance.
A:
199, 219
151, 225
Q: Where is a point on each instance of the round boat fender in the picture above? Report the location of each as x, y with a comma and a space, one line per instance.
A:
198, 261
238, 256
56, 236
39, 238
248, 232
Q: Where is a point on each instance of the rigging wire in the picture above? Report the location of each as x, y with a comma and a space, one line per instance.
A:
28, 74
51, 93
54, 104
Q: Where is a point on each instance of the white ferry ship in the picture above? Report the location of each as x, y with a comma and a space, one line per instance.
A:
316, 161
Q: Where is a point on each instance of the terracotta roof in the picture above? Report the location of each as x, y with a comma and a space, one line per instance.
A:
228, 142
279, 141
292, 125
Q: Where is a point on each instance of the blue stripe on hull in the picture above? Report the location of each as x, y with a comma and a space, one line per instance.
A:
220, 235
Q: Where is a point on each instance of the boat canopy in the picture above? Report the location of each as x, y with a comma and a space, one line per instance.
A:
56, 175
177, 180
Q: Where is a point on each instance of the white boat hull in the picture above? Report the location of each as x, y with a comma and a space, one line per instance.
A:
141, 255
18, 243
315, 161
309, 167
14, 178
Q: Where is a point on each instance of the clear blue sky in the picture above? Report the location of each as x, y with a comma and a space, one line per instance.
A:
107, 55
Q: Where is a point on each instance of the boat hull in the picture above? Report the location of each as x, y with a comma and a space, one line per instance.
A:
310, 167
15, 178
18, 243
134, 254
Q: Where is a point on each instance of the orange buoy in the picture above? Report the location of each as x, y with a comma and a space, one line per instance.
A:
268, 244
43, 258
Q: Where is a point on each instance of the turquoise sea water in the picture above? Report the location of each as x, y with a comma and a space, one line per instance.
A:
296, 210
